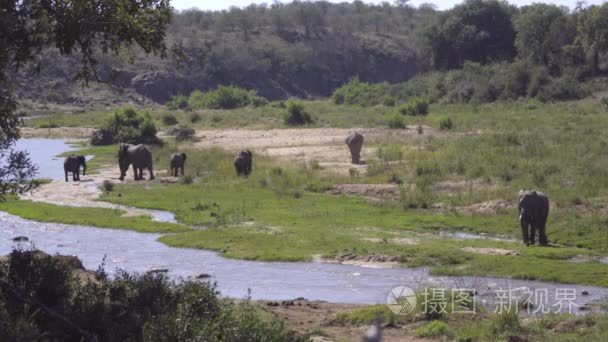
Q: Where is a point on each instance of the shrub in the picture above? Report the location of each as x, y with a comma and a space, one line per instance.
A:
416, 106
433, 329
107, 185
396, 121
446, 124
187, 180
363, 94
296, 115
195, 117
126, 125
563, 88
169, 119
178, 102
129, 307
226, 97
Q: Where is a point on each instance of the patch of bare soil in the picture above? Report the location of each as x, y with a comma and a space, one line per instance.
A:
490, 251
326, 146
74, 133
378, 192
488, 207
86, 192
310, 317
451, 187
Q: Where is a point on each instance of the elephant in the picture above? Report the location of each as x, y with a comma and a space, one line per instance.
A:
354, 140
242, 163
177, 162
72, 164
138, 155
533, 212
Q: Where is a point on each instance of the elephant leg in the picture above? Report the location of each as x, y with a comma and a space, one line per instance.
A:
66, 175
182, 170
533, 228
77, 173
135, 175
542, 236
152, 172
524, 231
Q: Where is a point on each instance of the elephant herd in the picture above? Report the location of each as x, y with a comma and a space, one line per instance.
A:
533, 206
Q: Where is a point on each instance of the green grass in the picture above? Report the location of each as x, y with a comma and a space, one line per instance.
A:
98, 217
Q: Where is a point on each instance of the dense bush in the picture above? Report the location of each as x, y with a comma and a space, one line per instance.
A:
126, 125
45, 298
225, 97
296, 114
446, 124
363, 94
169, 119
413, 107
395, 120
178, 102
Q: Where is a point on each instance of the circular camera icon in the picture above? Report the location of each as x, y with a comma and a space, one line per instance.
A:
401, 300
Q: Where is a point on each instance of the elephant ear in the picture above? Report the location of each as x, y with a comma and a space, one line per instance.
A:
82, 159
184, 156
249, 153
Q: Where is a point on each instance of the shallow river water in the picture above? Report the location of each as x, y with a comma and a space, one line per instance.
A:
141, 252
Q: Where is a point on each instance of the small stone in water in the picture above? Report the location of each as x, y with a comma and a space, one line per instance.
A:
21, 239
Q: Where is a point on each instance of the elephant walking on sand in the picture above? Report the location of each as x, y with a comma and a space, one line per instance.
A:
72, 164
354, 140
533, 212
242, 163
138, 155
177, 163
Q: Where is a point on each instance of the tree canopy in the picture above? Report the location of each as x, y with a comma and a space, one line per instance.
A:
86, 27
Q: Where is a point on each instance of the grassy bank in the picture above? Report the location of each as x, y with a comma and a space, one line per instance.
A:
97, 217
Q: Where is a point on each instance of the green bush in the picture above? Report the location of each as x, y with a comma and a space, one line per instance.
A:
169, 119
178, 102
129, 307
364, 94
226, 97
446, 124
296, 115
126, 125
195, 117
416, 106
396, 121
433, 329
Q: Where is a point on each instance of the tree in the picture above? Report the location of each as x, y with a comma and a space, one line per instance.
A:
593, 32
88, 27
543, 32
477, 30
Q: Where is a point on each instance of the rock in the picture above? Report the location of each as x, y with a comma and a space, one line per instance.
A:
202, 276
181, 133
160, 86
158, 270
21, 239
272, 304
585, 293
102, 137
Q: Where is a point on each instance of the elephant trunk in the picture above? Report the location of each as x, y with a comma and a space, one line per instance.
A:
84, 168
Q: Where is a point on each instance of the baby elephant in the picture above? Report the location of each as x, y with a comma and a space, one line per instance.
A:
242, 163
177, 162
533, 212
72, 164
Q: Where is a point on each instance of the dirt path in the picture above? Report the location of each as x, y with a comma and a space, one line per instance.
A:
314, 317
86, 192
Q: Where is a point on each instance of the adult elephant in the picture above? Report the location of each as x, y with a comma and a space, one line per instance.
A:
138, 155
72, 164
533, 212
243, 162
354, 140
177, 162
